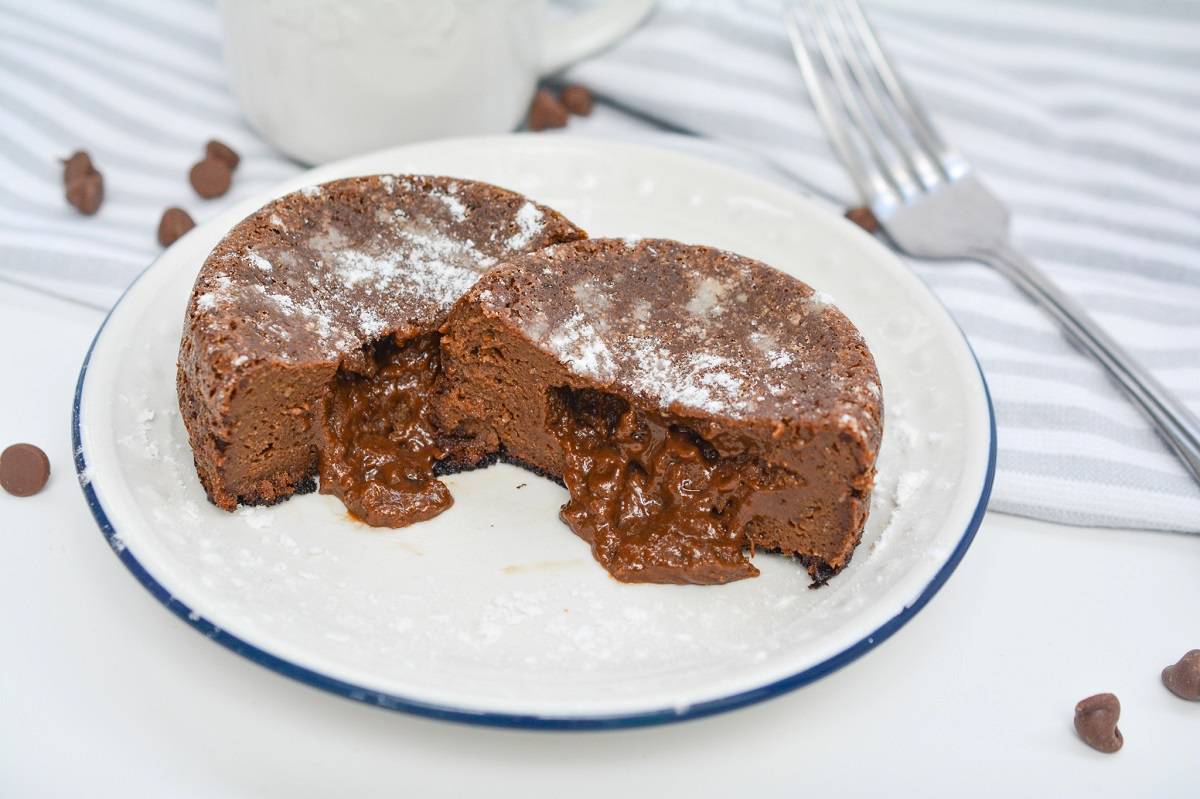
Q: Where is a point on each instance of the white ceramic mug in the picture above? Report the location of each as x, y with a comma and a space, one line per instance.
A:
323, 79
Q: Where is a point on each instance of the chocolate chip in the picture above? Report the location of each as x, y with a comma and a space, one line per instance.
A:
174, 223
78, 165
210, 178
223, 153
1183, 679
24, 470
577, 99
864, 218
86, 192
546, 111
1096, 722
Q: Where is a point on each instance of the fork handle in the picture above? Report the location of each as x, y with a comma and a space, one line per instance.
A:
1174, 422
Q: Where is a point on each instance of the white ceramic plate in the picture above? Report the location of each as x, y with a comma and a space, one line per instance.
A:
494, 612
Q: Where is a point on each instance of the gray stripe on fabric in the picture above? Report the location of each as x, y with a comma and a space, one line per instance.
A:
68, 266
1058, 76
136, 245
1067, 213
1083, 378
1092, 111
1181, 10
80, 301
759, 43
692, 67
86, 102
781, 169
178, 36
1121, 303
1047, 416
122, 240
1105, 259
1018, 128
1055, 343
784, 136
59, 131
909, 49
1033, 510
644, 116
1137, 307
731, 123
127, 55
1083, 469
953, 105
1096, 189
190, 105
261, 168
702, 19
49, 171
1038, 35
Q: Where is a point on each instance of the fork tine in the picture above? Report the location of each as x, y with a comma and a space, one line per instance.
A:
850, 101
952, 163
903, 141
870, 182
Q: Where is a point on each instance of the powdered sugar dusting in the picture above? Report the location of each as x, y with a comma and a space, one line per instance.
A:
529, 224
707, 297
701, 380
218, 295
908, 486
370, 323
255, 517
441, 267
578, 343
258, 261
458, 211
589, 294
424, 263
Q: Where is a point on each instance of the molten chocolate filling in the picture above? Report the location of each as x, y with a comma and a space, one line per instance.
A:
378, 445
656, 502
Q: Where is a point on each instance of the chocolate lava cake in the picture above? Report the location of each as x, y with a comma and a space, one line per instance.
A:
375, 332
310, 338
697, 404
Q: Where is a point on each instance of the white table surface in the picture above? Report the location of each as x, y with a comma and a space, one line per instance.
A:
103, 692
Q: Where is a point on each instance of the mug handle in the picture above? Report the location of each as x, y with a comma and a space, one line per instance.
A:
585, 33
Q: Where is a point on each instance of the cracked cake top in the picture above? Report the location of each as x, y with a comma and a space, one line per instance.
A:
317, 273
694, 328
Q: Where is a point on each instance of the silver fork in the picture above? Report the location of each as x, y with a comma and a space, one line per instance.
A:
928, 199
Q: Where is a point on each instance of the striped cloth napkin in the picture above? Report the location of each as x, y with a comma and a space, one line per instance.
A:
1083, 116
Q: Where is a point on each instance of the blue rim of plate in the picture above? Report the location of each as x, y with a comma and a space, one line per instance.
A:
415, 707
